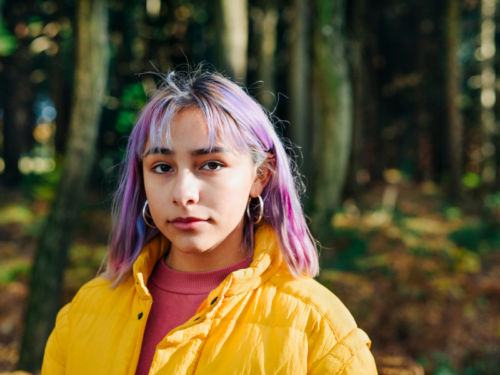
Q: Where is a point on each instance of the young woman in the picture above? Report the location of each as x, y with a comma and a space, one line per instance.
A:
210, 261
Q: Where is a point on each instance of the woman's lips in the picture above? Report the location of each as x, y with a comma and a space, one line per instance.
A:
187, 223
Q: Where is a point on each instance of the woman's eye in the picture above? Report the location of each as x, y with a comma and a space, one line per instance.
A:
162, 168
212, 166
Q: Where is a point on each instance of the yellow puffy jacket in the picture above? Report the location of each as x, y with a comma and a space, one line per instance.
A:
259, 320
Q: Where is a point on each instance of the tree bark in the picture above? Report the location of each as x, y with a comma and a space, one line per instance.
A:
19, 119
18, 98
234, 36
361, 97
334, 92
453, 81
298, 83
62, 84
47, 275
266, 38
423, 151
61, 93
488, 95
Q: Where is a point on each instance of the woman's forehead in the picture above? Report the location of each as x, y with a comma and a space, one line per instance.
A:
188, 131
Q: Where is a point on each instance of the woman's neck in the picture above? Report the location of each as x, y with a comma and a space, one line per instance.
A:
226, 253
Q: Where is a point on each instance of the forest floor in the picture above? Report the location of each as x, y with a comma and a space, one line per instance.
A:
420, 276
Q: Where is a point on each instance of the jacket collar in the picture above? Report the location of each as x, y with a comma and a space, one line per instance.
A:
267, 259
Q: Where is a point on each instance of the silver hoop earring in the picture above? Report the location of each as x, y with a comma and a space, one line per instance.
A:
144, 214
261, 205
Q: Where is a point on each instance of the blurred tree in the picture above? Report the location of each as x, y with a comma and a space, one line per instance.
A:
233, 32
374, 61
488, 95
299, 72
266, 19
358, 11
423, 145
47, 276
453, 90
333, 97
61, 92
62, 81
19, 117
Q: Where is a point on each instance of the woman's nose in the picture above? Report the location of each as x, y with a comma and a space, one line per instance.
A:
185, 191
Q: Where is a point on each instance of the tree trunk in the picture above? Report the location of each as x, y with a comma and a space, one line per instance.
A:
374, 61
18, 97
334, 92
488, 95
266, 38
453, 81
298, 83
357, 53
19, 119
47, 275
423, 151
61, 94
234, 36
62, 83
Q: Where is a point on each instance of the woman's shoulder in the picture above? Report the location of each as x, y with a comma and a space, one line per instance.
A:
326, 321
307, 294
98, 293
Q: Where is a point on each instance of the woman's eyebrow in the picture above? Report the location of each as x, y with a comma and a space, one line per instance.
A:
170, 152
155, 151
206, 151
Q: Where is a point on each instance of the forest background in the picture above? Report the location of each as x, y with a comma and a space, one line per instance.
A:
391, 105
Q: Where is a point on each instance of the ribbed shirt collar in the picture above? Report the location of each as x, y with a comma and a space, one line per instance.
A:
267, 259
193, 282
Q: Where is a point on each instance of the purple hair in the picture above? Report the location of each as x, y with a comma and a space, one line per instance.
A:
237, 120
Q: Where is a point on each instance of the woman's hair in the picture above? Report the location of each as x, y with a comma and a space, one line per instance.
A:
235, 119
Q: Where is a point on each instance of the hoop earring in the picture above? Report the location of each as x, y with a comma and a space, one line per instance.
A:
144, 214
261, 205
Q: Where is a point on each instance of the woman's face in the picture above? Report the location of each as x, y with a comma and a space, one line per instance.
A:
197, 197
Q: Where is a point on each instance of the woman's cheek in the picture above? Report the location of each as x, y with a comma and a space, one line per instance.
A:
235, 197
158, 197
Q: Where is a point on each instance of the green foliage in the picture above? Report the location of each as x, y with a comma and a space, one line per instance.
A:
445, 367
132, 101
13, 269
471, 180
492, 201
422, 274
15, 213
470, 236
453, 213
8, 42
42, 186
355, 249
200, 16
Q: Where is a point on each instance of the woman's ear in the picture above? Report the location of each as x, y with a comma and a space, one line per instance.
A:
264, 173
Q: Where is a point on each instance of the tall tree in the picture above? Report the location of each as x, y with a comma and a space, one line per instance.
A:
47, 276
453, 82
298, 82
423, 150
266, 35
19, 94
488, 94
233, 31
61, 82
333, 87
361, 98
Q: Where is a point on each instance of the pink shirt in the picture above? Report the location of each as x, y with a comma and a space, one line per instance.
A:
177, 296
